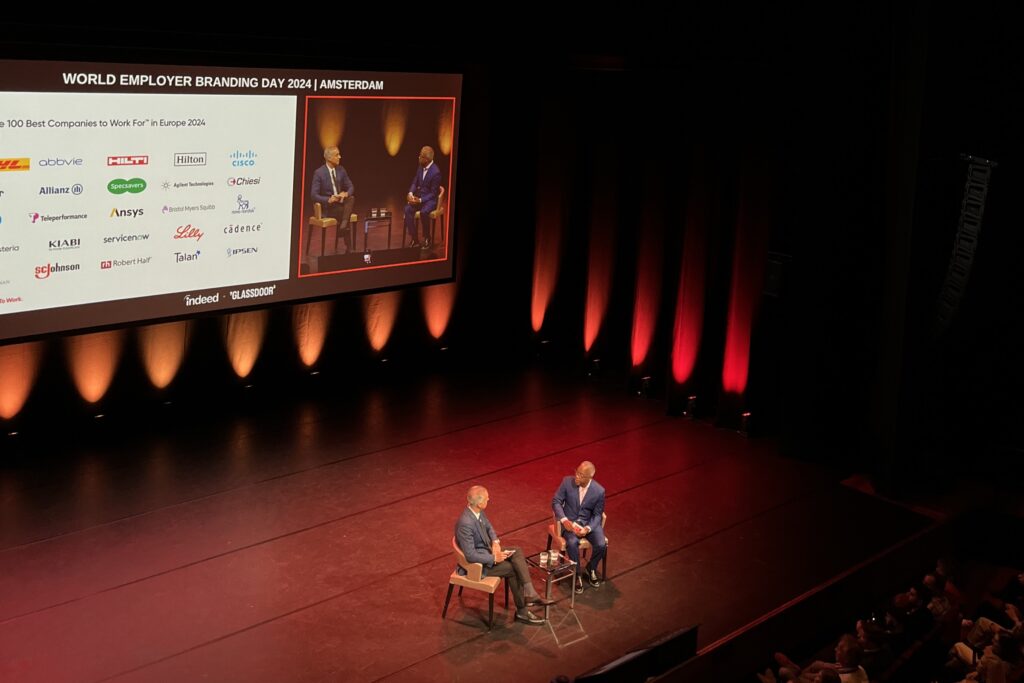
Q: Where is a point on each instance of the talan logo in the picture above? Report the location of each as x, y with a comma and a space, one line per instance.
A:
183, 256
61, 163
128, 160
21, 164
120, 186
240, 181
190, 159
65, 244
126, 213
243, 159
45, 271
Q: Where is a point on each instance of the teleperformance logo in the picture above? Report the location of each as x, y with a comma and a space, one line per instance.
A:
202, 299
75, 189
188, 208
45, 271
126, 213
243, 205
243, 159
183, 256
65, 244
240, 181
242, 251
56, 218
120, 186
122, 238
128, 160
18, 164
125, 262
190, 159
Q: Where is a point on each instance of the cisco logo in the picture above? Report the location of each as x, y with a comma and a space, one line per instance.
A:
243, 159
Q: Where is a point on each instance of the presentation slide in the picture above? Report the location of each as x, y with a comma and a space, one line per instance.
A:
135, 193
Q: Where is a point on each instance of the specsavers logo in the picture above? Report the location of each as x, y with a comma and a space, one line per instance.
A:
120, 186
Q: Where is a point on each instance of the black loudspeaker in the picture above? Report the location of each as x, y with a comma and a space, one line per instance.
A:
775, 274
655, 659
385, 257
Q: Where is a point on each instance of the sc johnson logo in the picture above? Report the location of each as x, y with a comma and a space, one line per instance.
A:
240, 181
65, 244
75, 189
45, 271
125, 262
243, 159
120, 186
21, 164
202, 299
126, 213
61, 163
190, 159
186, 256
128, 160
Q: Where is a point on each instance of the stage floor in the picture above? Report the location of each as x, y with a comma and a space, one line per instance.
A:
309, 540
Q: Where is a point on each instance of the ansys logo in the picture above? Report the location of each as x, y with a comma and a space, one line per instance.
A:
120, 186
21, 164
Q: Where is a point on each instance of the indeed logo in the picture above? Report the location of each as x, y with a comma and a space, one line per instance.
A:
128, 160
120, 186
188, 232
243, 205
21, 164
43, 272
202, 299
65, 189
190, 159
240, 181
243, 250
61, 245
58, 163
243, 159
126, 213
183, 256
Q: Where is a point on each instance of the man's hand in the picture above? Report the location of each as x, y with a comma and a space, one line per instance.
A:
413, 199
500, 556
567, 525
333, 199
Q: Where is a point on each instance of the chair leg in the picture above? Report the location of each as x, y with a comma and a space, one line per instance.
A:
323, 240
549, 542
506, 592
604, 566
447, 598
309, 239
490, 610
460, 591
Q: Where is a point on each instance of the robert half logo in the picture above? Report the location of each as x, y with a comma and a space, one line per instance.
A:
183, 256
239, 181
65, 244
45, 271
190, 159
120, 186
21, 164
125, 262
243, 159
242, 251
243, 205
128, 160
126, 213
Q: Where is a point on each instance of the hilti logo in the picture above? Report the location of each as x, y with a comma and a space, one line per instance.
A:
136, 160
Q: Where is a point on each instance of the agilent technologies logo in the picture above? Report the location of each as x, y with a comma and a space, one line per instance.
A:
128, 160
239, 181
45, 271
243, 205
241, 159
120, 186
190, 159
20, 164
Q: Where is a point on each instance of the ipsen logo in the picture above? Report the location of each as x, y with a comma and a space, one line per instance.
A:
128, 160
243, 159
120, 186
241, 251
21, 164
45, 271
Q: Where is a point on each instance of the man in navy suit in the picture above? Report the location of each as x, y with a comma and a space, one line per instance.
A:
579, 506
422, 196
479, 543
334, 190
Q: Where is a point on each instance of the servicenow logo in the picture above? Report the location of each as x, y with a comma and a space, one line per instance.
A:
120, 186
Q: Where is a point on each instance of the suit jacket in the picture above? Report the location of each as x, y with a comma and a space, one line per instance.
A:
322, 190
426, 188
566, 503
475, 539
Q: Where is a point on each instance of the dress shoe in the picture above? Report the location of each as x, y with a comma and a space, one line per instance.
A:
415, 243
579, 584
593, 579
538, 600
527, 618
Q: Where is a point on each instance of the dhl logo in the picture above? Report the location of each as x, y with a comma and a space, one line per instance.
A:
14, 164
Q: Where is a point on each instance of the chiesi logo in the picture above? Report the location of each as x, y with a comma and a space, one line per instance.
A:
120, 186
243, 205
20, 164
243, 159
182, 256
188, 232
240, 181
45, 271
65, 244
75, 189
128, 160
125, 262
126, 213
241, 251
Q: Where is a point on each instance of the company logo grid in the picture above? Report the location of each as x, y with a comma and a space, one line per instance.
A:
131, 213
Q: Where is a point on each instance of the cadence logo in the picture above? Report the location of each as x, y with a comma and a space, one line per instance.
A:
183, 256
242, 251
188, 208
45, 271
243, 159
120, 239
236, 229
56, 218
120, 186
21, 164
61, 189
125, 262
188, 232
126, 213
128, 160
60, 163
65, 244
242, 182
190, 159
243, 205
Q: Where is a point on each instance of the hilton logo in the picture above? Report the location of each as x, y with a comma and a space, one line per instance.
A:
190, 159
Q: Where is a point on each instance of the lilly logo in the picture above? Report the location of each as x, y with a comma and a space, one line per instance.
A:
120, 186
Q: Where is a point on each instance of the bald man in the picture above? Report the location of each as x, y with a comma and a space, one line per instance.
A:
334, 190
479, 543
579, 506
422, 196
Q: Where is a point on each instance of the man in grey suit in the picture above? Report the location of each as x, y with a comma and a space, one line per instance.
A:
479, 543
334, 190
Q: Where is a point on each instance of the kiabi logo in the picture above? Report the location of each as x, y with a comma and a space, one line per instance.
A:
120, 186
